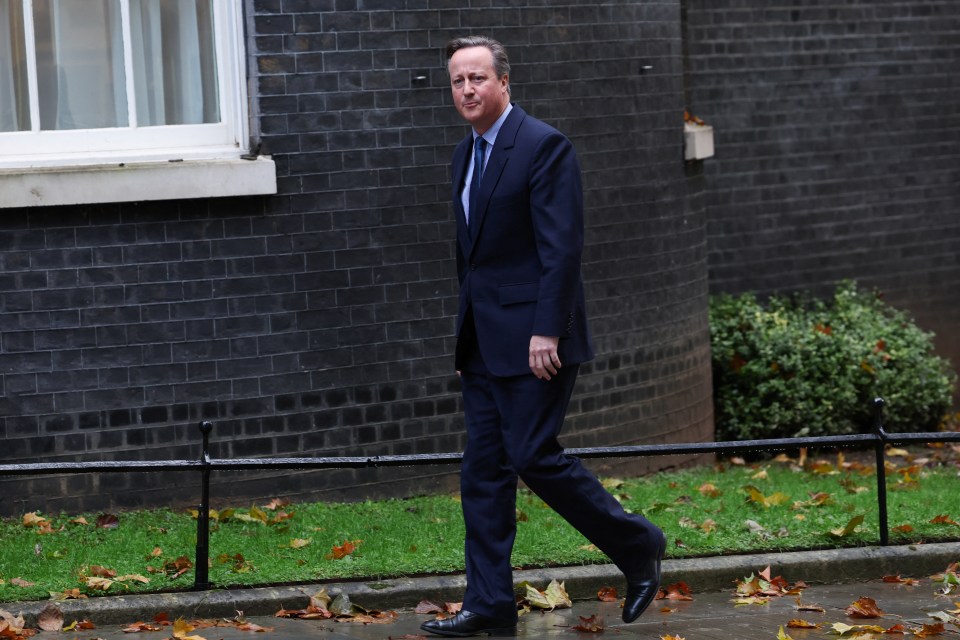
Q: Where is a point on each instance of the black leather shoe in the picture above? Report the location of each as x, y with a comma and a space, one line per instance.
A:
466, 624
642, 590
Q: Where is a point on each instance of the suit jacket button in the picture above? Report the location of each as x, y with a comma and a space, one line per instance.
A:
473, 267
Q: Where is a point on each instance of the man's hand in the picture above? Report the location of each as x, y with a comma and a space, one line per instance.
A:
544, 361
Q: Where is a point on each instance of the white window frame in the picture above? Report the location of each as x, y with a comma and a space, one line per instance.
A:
141, 163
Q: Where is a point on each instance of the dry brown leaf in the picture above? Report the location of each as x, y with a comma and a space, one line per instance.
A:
593, 624
100, 584
930, 630
138, 627
676, 591
102, 572
607, 594
864, 608
797, 623
50, 618
428, 607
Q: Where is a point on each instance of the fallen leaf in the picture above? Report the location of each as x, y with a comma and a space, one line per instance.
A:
607, 594
676, 591
12, 622
50, 618
930, 630
299, 543
841, 629
593, 624
850, 527
79, 625
344, 550
20, 582
102, 572
709, 490
178, 567
864, 608
138, 627
555, 596
428, 607
910, 582
99, 584
276, 503
782, 635
34, 519
797, 623
107, 521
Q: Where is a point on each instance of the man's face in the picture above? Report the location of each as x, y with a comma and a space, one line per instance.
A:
479, 95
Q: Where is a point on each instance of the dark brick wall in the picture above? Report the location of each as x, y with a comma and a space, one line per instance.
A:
319, 321
838, 148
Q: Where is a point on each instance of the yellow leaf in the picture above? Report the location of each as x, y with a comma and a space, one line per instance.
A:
182, 628
777, 498
34, 519
851, 526
299, 543
781, 635
554, 597
134, 577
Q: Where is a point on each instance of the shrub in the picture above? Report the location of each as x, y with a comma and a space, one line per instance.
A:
798, 366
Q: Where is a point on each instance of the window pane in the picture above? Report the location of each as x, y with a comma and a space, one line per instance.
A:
80, 64
175, 71
14, 101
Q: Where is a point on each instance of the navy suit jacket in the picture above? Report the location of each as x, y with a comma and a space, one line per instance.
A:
520, 275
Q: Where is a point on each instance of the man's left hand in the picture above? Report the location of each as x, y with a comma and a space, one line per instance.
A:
544, 361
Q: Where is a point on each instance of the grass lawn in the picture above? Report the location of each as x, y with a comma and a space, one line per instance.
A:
732, 507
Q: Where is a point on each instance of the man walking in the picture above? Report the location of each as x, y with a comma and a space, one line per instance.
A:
521, 336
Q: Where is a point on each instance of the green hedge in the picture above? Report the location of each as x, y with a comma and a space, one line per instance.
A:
798, 366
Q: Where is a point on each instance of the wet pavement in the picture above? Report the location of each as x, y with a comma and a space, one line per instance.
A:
712, 613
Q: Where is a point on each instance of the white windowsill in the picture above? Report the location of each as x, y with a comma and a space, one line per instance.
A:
137, 181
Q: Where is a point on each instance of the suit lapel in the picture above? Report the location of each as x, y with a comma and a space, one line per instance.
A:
499, 157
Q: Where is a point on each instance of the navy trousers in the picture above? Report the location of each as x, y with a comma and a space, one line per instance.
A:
512, 429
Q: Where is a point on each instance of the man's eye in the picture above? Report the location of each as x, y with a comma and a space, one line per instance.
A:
458, 83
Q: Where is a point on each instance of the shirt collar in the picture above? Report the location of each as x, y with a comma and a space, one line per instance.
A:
491, 134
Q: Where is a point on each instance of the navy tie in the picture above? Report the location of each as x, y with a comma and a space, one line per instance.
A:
479, 152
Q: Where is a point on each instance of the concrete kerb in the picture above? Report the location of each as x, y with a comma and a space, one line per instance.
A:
701, 574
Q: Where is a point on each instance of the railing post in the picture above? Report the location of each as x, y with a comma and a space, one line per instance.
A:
880, 447
201, 565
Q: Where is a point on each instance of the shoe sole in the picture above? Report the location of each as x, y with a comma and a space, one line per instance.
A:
506, 632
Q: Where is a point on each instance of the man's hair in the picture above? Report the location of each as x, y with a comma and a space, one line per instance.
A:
501, 64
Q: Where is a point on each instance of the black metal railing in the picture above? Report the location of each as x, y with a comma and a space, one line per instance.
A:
878, 439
